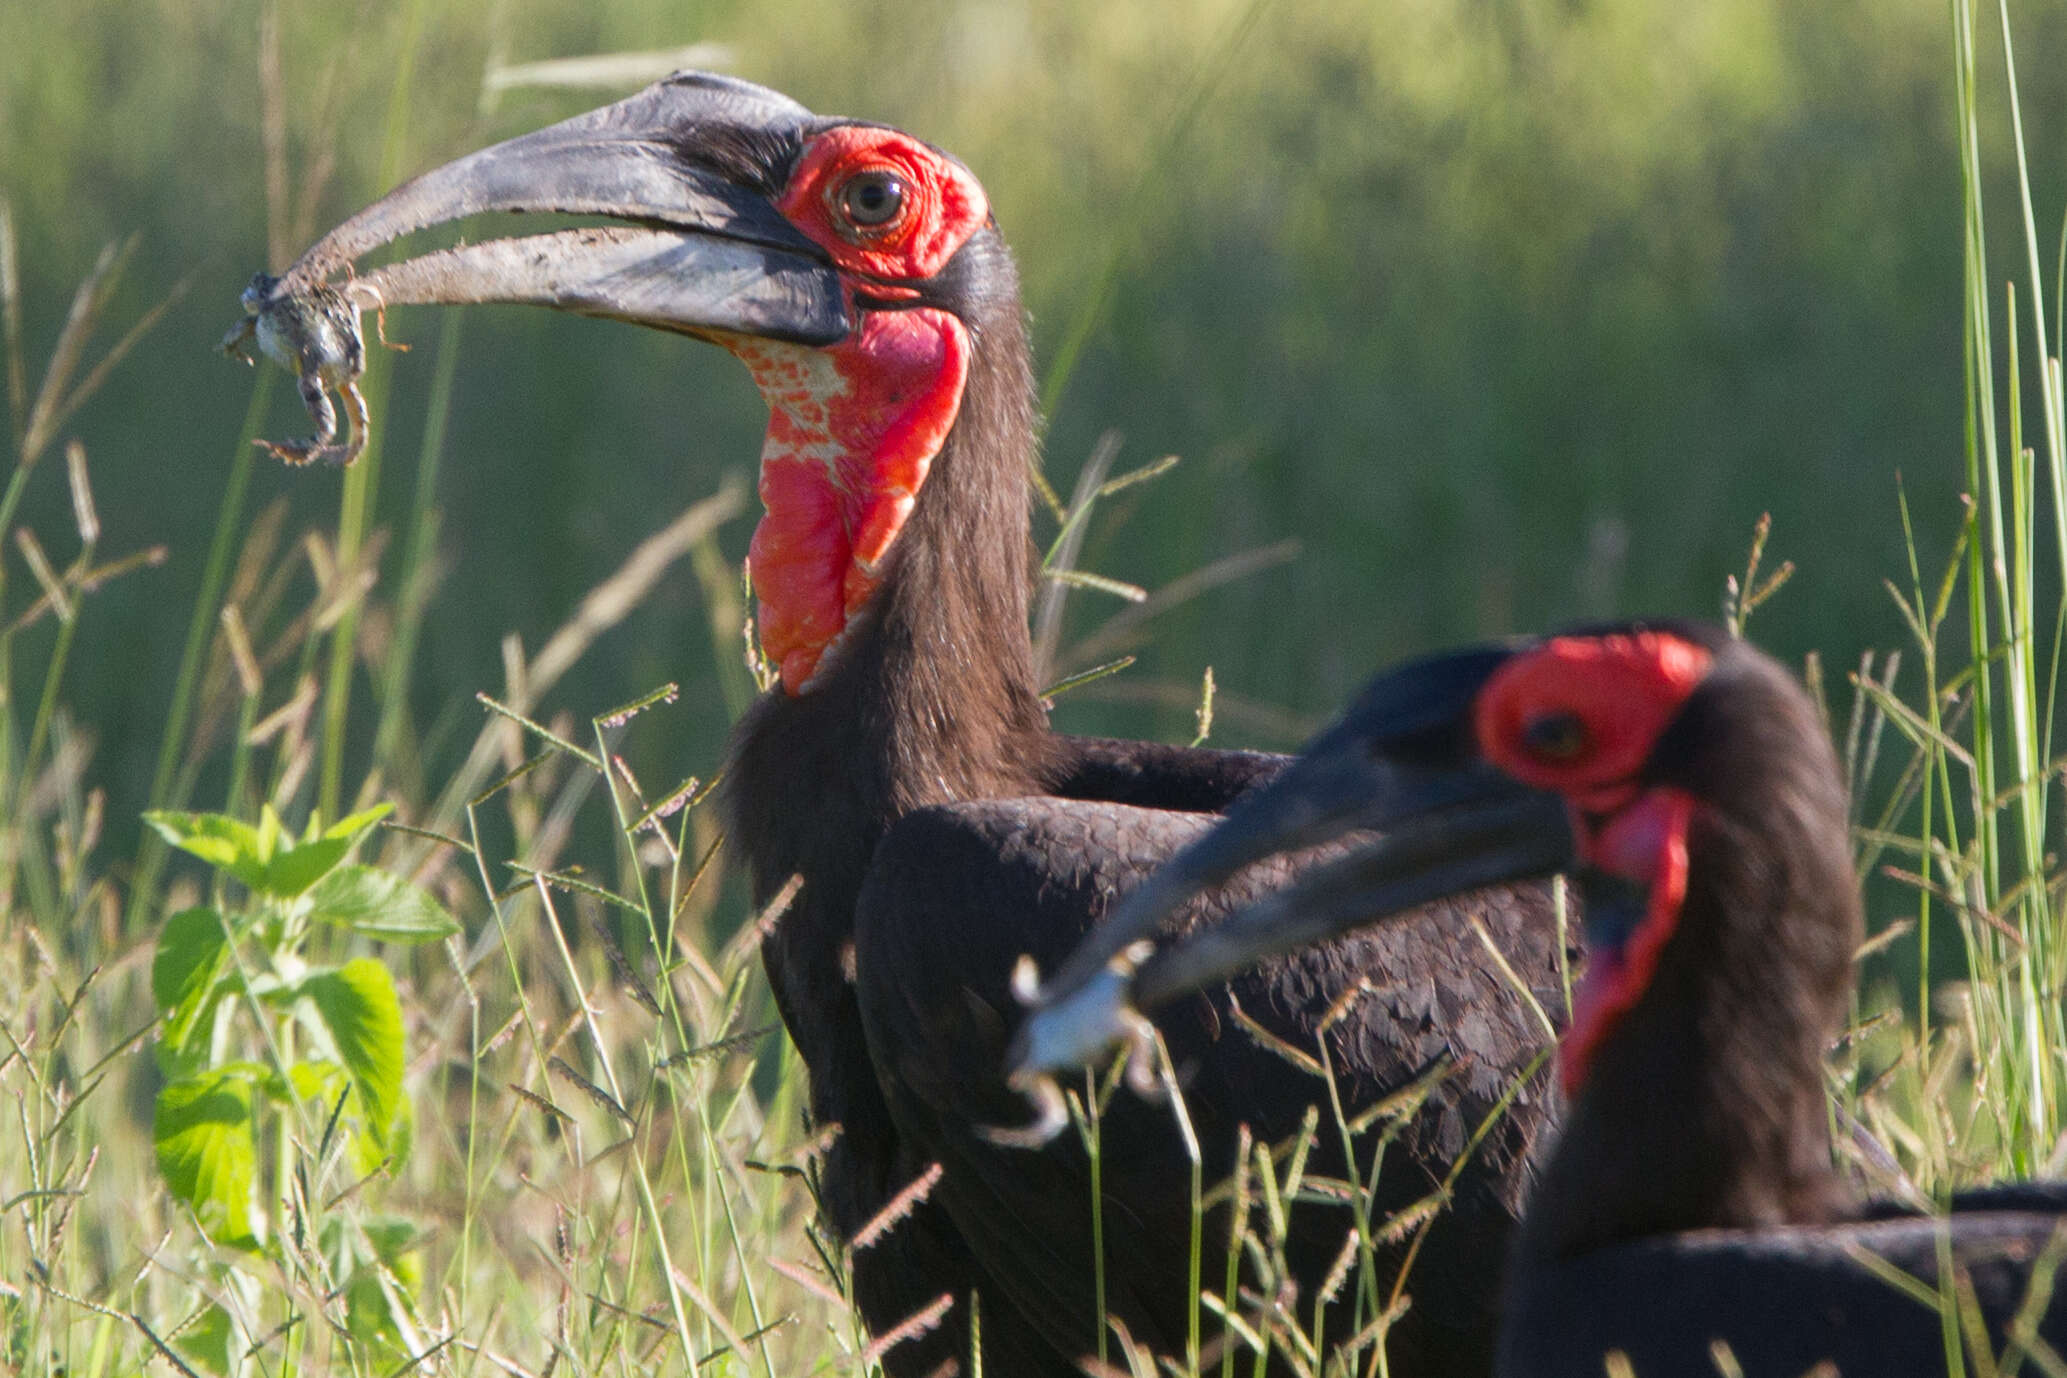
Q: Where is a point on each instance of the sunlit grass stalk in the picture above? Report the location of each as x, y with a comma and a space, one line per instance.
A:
647, 1202
1085, 1111
627, 816
2045, 969
2013, 980
1982, 482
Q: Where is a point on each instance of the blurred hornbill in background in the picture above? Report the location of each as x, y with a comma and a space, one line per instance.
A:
903, 766
1690, 1198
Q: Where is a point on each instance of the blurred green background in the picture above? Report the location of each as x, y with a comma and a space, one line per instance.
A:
1510, 311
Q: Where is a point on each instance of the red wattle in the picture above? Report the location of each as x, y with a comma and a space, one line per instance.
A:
1645, 843
852, 431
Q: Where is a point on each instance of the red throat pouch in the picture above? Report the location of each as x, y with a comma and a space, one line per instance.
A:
1644, 843
852, 431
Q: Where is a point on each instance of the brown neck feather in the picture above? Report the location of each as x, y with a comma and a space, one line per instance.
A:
1706, 1107
930, 695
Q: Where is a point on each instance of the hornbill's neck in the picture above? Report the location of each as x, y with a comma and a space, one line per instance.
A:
1703, 1103
928, 693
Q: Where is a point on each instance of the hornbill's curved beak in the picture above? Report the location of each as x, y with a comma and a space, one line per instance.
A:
692, 163
1404, 764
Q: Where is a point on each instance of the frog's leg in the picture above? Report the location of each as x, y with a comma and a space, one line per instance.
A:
343, 455
380, 312
380, 328
317, 400
242, 341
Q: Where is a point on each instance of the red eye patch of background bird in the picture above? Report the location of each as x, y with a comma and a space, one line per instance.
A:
1579, 715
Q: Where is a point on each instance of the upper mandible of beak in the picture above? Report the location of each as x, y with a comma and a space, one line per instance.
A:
688, 162
1399, 764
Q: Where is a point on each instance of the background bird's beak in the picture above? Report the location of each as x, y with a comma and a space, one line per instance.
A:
704, 249
1402, 764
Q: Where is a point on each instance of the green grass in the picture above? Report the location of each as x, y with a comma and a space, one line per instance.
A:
606, 1170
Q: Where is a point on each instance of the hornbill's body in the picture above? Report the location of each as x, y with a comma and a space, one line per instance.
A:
904, 770
1690, 1198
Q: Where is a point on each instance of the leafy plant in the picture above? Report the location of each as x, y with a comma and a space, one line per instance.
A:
284, 1075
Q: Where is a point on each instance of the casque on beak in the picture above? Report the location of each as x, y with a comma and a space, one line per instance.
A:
1402, 764
689, 164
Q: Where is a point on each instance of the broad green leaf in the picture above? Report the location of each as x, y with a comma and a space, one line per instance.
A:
217, 839
401, 1139
186, 975
299, 866
380, 1257
190, 953
293, 872
265, 858
369, 1315
369, 900
212, 1342
319, 1080
351, 825
270, 833
394, 1239
358, 1006
203, 1131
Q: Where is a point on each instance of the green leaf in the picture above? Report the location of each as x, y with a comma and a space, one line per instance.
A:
294, 871
190, 953
369, 1315
358, 1006
266, 858
186, 973
369, 900
394, 1239
204, 1134
299, 866
351, 825
270, 832
316, 1078
212, 1342
216, 838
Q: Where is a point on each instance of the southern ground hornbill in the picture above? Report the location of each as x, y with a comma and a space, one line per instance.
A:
903, 767
1690, 1199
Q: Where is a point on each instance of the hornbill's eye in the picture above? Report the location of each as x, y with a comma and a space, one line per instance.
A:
871, 200
1555, 736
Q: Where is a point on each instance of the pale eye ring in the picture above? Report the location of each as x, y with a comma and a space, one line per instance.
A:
871, 200
1556, 736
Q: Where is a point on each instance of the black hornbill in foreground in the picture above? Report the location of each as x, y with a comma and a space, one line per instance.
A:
1686, 780
904, 769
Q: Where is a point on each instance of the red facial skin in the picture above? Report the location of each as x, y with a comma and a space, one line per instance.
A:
1612, 696
943, 204
854, 428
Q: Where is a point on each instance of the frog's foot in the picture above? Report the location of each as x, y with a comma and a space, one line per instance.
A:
380, 328
295, 452
323, 444
355, 403
353, 285
301, 453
